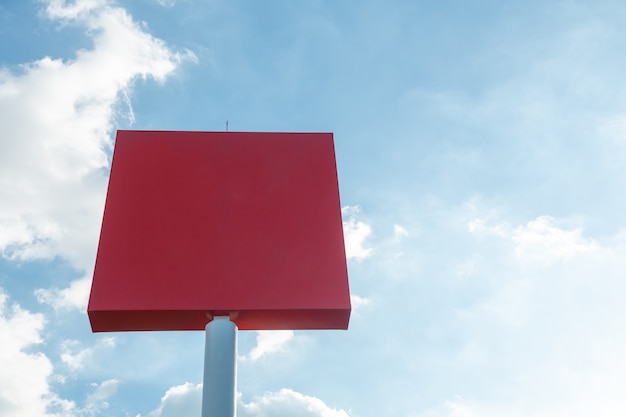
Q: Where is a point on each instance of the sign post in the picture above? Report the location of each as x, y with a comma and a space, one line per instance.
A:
220, 368
220, 231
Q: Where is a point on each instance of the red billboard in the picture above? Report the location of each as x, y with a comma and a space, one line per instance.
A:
198, 224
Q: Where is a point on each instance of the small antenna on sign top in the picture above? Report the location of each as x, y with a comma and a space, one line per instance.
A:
227, 125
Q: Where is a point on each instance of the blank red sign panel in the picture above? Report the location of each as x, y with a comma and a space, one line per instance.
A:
198, 224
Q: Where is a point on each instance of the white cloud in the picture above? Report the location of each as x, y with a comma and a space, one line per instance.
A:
540, 240
24, 390
75, 296
186, 400
97, 400
76, 357
74, 360
358, 302
57, 120
166, 3
454, 408
180, 400
399, 231
268, 342
288, 403
61, 8
548, 318
355, 233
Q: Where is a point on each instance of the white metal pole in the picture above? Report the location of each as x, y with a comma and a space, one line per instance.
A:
220, 368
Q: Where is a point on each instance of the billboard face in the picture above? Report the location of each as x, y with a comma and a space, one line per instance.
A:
198, 224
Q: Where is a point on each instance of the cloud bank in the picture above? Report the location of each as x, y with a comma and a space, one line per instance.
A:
58, 120
186, 399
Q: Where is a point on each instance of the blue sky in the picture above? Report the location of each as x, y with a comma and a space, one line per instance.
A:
480, 147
